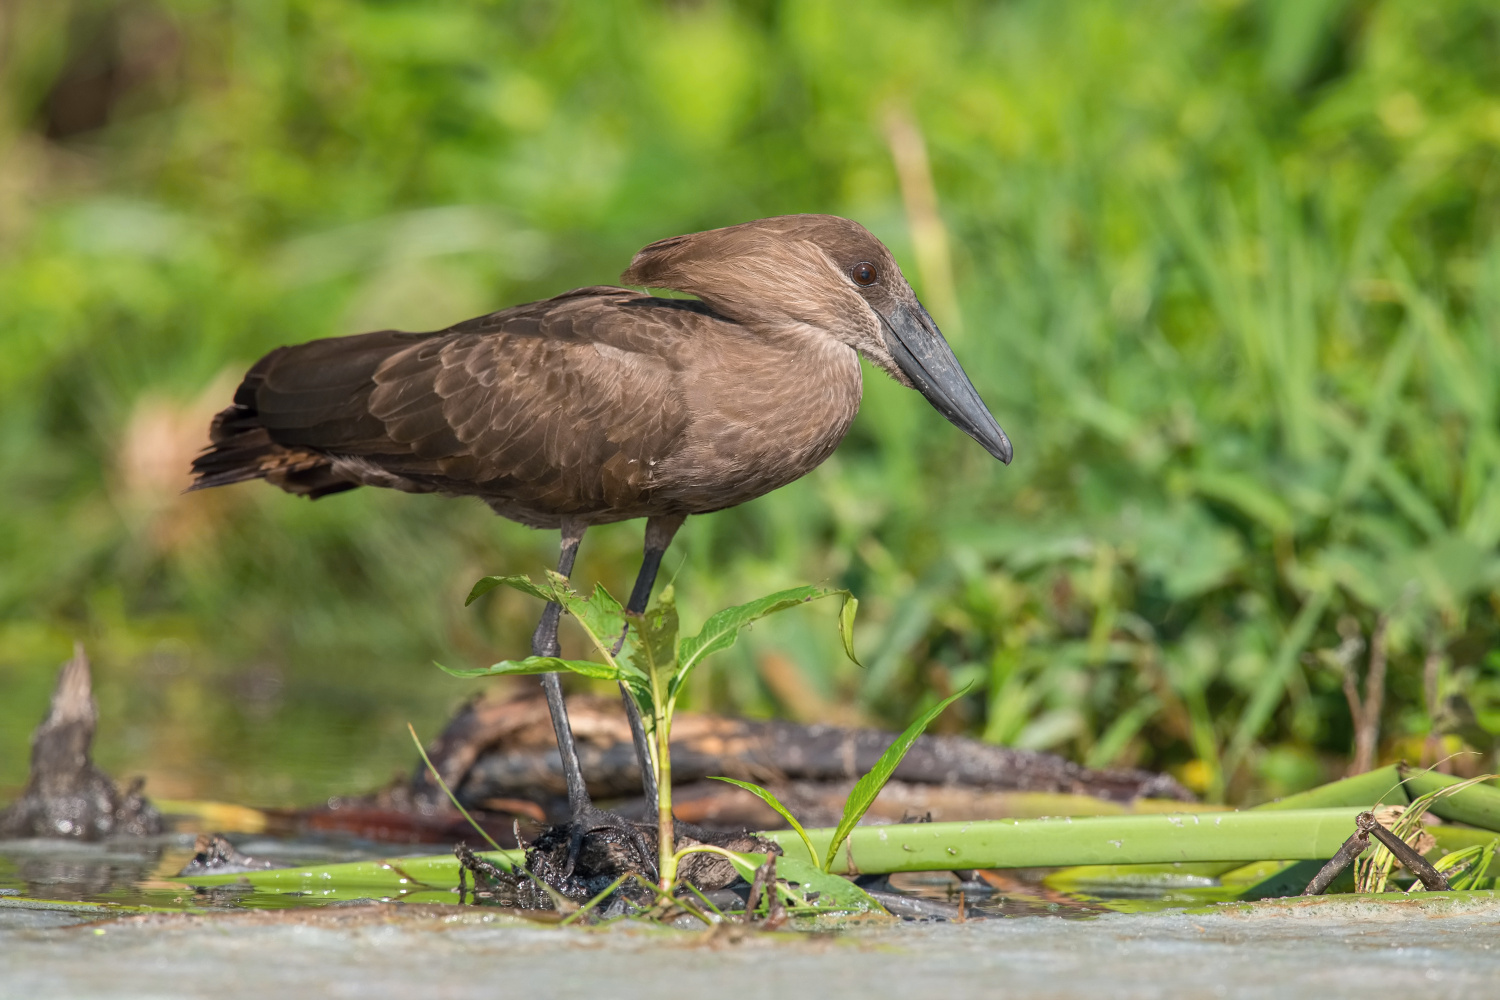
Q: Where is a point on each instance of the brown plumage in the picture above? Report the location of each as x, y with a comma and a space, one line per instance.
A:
598, 405
604, 404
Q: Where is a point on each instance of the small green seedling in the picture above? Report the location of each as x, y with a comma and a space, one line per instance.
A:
653, 662
865, 790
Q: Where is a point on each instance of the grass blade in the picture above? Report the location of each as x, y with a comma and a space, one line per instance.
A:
868, 787
765, 796
1474, 804
1272, 685
448, 791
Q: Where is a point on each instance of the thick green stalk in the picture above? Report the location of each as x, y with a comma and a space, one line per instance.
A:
1285, 835
1477, 805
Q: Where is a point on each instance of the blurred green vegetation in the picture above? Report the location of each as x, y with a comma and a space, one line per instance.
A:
1227, 272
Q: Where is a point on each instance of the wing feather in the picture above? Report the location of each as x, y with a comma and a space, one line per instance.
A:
565, 405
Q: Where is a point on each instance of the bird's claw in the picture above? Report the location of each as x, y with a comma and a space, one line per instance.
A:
580, 857
593, 819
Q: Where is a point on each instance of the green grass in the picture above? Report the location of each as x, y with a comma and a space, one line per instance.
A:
1227, 273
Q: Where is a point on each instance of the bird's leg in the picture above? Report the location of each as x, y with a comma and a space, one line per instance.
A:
544, 643
584, 817
659, 533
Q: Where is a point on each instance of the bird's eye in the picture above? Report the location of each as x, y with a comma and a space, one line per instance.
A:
863, 273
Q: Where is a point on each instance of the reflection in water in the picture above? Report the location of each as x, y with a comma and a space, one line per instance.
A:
137, 871
49, 878
61, 870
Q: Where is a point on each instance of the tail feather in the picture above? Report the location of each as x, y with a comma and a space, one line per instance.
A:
241, 449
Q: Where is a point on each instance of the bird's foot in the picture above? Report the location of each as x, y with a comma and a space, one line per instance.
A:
581, 857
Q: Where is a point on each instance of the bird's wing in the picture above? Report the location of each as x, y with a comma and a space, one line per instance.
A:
563, 404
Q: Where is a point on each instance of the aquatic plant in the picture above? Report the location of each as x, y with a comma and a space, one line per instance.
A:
645, 653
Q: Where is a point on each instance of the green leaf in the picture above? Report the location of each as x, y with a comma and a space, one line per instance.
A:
722, 629
540, 665
846, 626
765, 796
655, 653
835, 893
521, 583
867, 788
601, 615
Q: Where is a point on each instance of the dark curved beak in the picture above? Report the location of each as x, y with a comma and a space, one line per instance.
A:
925, 357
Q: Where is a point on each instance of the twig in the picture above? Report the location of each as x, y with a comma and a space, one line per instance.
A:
1431, 878
758, 886
1366, 712
1351, 849
479, 866
469, 861
1365, 827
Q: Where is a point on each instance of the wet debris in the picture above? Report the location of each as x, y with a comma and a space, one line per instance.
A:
215, 855
66, 795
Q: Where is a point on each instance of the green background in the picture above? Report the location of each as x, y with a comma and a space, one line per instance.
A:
1227, 272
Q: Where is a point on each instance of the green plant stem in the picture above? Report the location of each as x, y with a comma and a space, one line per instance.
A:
665, 838
707, 849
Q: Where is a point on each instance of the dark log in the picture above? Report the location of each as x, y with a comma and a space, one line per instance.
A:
498, 754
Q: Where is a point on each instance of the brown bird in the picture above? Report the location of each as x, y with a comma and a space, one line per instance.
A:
605, 404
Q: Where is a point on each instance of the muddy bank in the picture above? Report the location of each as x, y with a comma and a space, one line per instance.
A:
1430, 949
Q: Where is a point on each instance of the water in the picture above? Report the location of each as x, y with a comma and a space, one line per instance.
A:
128, 873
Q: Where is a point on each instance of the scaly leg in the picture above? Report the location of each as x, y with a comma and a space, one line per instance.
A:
659, 533
544, 643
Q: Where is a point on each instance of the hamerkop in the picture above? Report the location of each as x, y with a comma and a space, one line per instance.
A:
605, 404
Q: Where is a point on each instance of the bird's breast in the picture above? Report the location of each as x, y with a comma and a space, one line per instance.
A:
763, 416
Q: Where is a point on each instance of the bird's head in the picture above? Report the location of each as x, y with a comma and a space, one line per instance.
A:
830, 274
